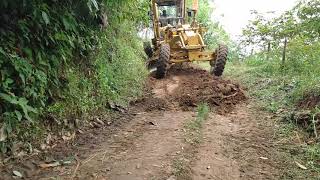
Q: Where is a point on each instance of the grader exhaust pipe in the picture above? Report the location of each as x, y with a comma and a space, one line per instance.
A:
195, 5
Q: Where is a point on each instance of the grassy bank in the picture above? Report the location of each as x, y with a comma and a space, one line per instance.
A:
280, 93
63, 61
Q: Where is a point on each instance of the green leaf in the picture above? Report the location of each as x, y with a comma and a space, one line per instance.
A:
66, 23
61, 36
94, 2
45, 17
28, 51
10, 99
18, 114
2, 51
23, 103
23, 79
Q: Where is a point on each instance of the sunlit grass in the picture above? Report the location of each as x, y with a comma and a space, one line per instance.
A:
278, 92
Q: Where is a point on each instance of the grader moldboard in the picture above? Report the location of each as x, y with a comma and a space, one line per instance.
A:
175, 41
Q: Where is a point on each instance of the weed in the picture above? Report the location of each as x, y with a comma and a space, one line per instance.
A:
193, 127
278, 93
193, 137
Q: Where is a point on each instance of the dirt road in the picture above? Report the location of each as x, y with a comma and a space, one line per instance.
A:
150, 138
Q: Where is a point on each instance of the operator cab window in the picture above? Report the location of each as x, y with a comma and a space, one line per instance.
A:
169, 15
167, 12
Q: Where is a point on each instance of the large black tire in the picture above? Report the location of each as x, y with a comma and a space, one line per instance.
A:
217, 66
163, 61
148, 49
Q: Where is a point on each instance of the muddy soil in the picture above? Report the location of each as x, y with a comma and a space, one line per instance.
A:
149, 137
184, 88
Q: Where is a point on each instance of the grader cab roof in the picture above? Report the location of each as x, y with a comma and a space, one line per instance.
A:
168, 2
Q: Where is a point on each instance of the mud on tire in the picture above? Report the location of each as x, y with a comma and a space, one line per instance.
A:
217, 66
163, 62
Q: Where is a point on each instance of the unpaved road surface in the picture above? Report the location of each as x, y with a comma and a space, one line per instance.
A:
150, 137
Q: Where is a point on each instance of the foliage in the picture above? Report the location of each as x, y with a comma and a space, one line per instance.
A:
66, 58
282, 76
215, 34
300, 60
276, 94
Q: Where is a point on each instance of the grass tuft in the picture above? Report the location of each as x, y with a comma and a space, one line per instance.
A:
193, 137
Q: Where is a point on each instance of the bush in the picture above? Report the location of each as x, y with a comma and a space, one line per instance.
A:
56, 57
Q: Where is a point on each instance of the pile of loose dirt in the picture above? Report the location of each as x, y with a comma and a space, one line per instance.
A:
186, 87
151, 103
304, 115
198, 86
310, 102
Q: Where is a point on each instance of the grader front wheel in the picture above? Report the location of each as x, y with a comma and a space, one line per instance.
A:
217, 66
163, 61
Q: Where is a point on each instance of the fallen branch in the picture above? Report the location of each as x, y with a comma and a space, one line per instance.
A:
77, 167
233, 95
314, 125
222, 97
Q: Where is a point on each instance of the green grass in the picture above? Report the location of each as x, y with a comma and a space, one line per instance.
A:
277, 93
114, 74
193, 128
193, 137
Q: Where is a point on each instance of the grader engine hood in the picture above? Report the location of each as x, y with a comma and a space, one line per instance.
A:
184, 37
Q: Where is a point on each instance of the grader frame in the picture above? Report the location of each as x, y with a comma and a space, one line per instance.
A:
176, 41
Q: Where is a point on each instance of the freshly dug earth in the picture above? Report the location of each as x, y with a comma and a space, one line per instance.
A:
304, 113
146, 140
309, 101
195, 86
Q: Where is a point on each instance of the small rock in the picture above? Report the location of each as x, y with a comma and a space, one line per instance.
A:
264, 158
208, 167
99, 121
96, 125
66, 162
151, 123
77, 123
17, 174
301, 166
80, 131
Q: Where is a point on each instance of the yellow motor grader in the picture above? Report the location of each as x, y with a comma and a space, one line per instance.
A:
177, 41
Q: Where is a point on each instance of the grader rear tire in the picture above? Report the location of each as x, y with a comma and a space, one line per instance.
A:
163, 61
217, 66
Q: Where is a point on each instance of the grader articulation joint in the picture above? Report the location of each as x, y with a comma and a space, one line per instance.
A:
177, 41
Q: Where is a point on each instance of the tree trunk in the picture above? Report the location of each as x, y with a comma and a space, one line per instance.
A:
284, 53
269, 50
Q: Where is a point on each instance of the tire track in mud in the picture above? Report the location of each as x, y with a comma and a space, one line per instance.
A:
236, 146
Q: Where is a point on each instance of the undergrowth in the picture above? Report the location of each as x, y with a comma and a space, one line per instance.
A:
65, 60
278, 91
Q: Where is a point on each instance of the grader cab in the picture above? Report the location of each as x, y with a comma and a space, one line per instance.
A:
177, 41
